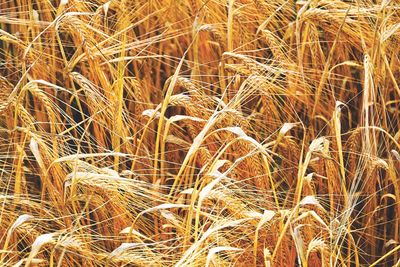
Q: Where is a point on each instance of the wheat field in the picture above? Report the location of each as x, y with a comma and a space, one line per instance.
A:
199, 133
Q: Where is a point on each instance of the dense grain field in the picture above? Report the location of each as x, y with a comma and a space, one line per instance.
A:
199, 133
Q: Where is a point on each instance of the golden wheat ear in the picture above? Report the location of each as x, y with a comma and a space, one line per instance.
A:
199, 133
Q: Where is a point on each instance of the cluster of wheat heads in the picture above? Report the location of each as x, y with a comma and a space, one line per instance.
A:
199, 133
